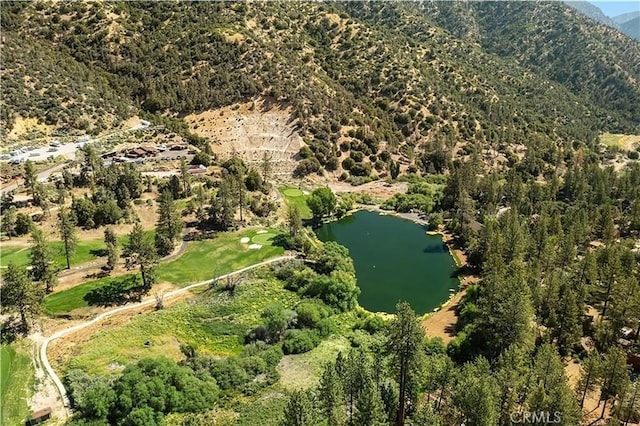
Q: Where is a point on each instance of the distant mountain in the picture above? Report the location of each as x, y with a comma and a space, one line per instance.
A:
627, 23
625, 17
592, 11
631, 28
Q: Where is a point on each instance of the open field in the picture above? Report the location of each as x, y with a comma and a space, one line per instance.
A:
622, 141
214, 322
297, 198
304, 370
16, 377
202, 260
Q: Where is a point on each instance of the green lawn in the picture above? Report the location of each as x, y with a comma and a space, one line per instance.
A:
16, 380
86, 251
214, 323
297, 198
202, 260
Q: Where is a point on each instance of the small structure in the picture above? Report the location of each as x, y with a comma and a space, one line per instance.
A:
149, 150
136, 153
39, 416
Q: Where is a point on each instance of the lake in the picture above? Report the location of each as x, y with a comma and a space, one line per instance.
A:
395, 260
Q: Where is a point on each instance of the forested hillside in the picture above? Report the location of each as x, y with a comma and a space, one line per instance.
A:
414, 83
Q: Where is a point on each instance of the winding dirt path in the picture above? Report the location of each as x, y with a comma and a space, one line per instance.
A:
44, 342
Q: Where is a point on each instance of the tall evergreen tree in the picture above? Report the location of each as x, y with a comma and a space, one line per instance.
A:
330, 396
550, 391
370, 409
30, 178
591, 375
140, 253
67, 230
20, 295
43, 268
185, 177
111, 242
476, 394
300, 410
615, 376
169, 227
404, 345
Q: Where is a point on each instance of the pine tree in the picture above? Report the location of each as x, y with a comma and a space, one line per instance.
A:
111, 242
615, 376
20, 295
300, 410
169, 225
30, 178
404, 342
185, 177
141, 253
591, 374
475, 394
67, 230
9, 219
294, 221
42, 264
550, 390
369, 406
330, 396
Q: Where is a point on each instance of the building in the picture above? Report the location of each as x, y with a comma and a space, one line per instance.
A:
40, 416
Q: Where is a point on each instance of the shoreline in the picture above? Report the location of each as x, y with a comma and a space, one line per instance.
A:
442, 320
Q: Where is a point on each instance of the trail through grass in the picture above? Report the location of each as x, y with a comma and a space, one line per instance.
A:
214, 323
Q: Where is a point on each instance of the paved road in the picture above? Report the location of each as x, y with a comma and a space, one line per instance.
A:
69, 330
43, 176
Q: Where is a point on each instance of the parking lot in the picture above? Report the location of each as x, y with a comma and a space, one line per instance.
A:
55, 149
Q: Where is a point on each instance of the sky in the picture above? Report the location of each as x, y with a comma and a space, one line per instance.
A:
614, 8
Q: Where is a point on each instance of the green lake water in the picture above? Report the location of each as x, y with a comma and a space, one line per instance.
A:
395, 260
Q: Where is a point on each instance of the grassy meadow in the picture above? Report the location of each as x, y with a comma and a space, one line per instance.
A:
215, 323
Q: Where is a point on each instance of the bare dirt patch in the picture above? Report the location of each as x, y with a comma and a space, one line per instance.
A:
251, 130
377, 189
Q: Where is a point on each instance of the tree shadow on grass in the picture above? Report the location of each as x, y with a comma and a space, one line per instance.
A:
117, 292
98, 252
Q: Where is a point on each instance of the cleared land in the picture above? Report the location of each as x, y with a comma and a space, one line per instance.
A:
622, 141
201, 260
16, 379
251, 130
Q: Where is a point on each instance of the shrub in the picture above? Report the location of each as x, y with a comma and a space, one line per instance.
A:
310, 312
201, 157
299, 341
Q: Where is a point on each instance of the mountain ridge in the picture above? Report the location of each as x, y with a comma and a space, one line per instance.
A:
372, 83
